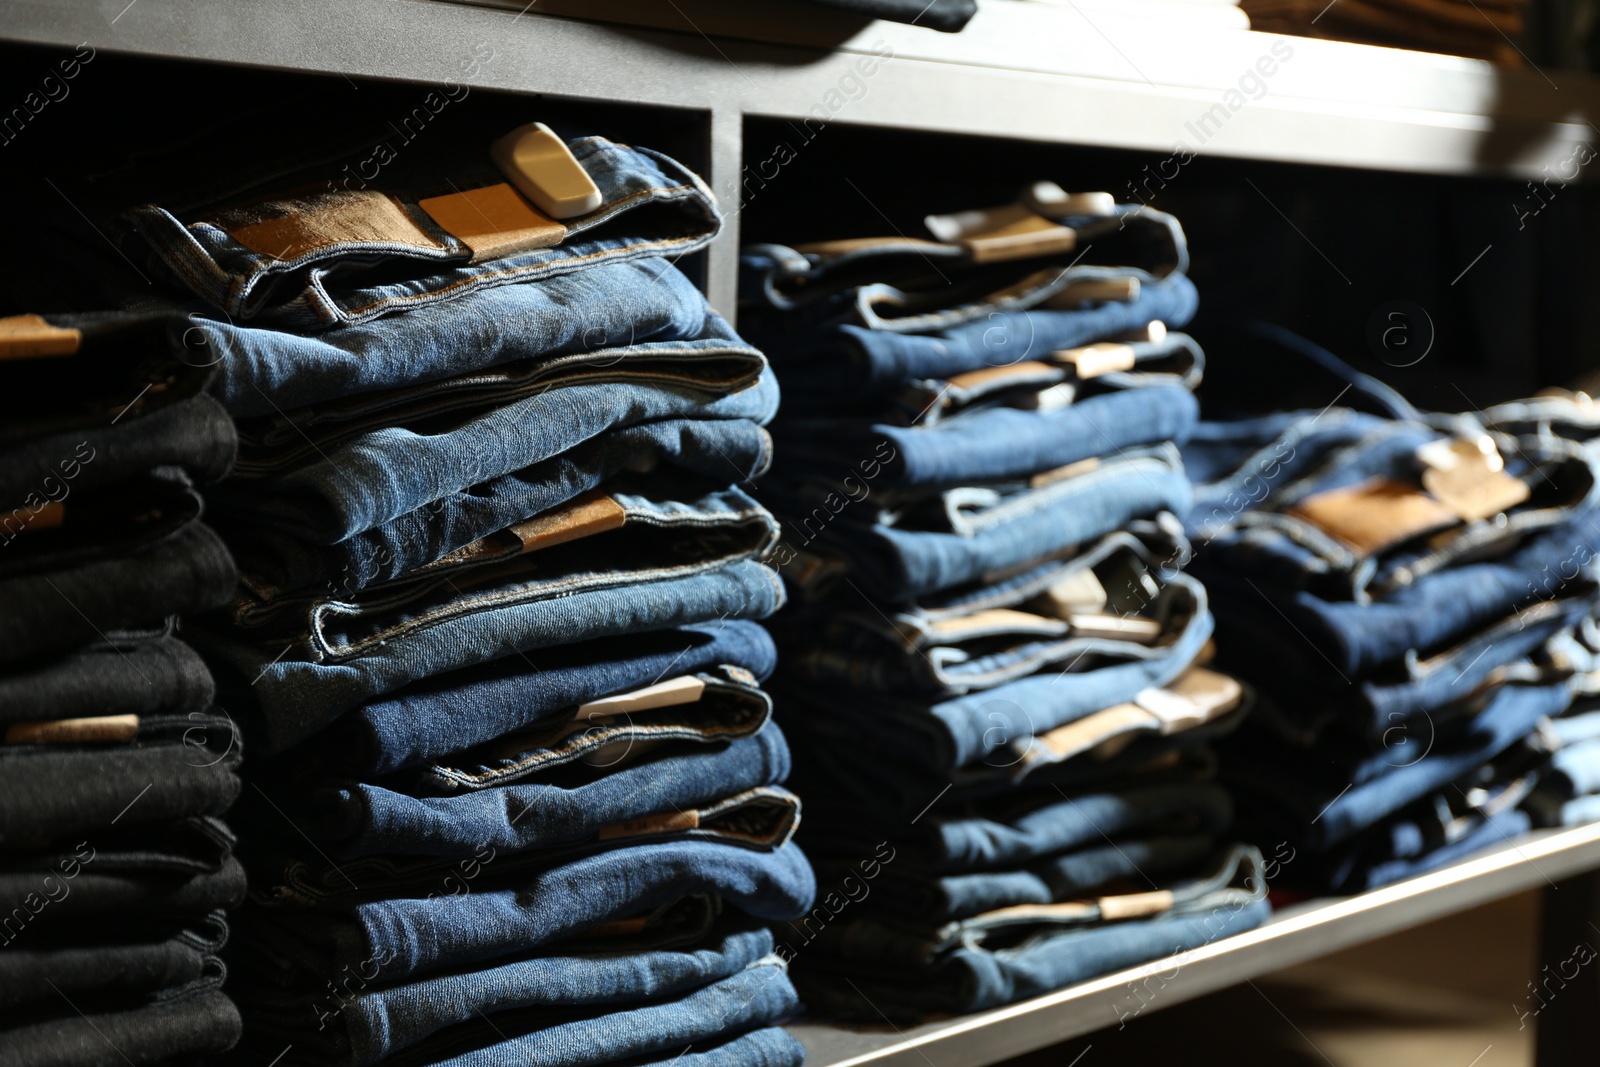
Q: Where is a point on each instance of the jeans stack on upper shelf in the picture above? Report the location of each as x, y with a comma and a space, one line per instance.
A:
992, 669
1396, 588
115, 765
519, 799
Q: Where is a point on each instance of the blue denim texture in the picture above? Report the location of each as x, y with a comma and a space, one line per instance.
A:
846, 363
972, 966
679, 453
652, 207
1364, 874
1323, 797
985, 445
899, 564
448, 713
261, 373
381, 1022
380, 476
291, 699
359, 819
416, 936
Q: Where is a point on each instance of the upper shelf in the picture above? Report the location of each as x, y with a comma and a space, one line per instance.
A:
1073, 73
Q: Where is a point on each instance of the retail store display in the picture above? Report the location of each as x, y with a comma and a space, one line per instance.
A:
1395, 587
116, 767
993, 674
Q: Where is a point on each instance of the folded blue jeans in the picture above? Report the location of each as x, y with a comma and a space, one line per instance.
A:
294, 259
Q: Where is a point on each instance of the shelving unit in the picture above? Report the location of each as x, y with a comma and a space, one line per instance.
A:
1090, 78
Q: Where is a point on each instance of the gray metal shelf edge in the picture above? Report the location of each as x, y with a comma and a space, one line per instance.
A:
1023, 70
1295, 934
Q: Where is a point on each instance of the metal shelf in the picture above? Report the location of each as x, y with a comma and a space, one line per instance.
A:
1293, 935
1073, 74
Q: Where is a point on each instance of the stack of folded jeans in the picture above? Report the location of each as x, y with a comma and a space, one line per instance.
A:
1400, 590
115, 764
519, 799
991, 672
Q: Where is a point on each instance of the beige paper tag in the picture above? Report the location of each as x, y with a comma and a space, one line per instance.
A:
99, 729
1095, 290
1093, 730
1027, 372
1135, 905
494, 221
995, 619
686, 689
1062, 473
31, 337
1080, 592
1102, 357
587, 515
1070, 910
1374, 514
671, 822
862, 244
1116, 627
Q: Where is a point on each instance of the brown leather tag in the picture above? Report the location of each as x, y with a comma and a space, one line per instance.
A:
100, 729
1028, 372
293, 227
671, 822
1022, 239
1061, 474
1475, 493
863, 244
494, 221
587, 515
30, 337
1093, 290
1374, 514
1080, 591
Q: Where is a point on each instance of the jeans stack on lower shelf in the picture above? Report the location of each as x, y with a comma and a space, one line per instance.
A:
517, 796
992, 672
1397, 589
116, 868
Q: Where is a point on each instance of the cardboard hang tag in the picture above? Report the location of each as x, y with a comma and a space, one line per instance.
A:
1373, 515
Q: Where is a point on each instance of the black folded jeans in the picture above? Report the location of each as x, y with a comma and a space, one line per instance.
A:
194, 1025
140, 674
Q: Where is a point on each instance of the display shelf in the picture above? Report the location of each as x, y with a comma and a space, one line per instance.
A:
1073, 74
1293, 935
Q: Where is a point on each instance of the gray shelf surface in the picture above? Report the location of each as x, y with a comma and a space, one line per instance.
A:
1295, 934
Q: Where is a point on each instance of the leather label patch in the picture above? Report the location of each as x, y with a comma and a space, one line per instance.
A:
671, 822
289, 228
494, 221
589, 514
100, 729
1374, 514
30, 337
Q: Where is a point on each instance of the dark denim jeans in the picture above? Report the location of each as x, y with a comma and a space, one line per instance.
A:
308, 258
292, 698
139, 674
200, 1024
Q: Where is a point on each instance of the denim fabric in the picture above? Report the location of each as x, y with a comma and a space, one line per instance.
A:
201, 1024
961, 644
1579, 811
756, 997
985, 445
195, 435
138, 674
648, 538
997, 727
898, 563
1282, 550
729, 707
652, 207
761, 819
446, 714
380, 1022
1324, 797
291, 699
117, 969
1574, 771
909, 285
188, 571
180, 765
1581, 723
121, 371
268, 374
726, 450
419, 935
80, 894
380, 476
847, 365
363, 819
1358, 875
986, 962
1309, 697
1358, 639
105, 524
